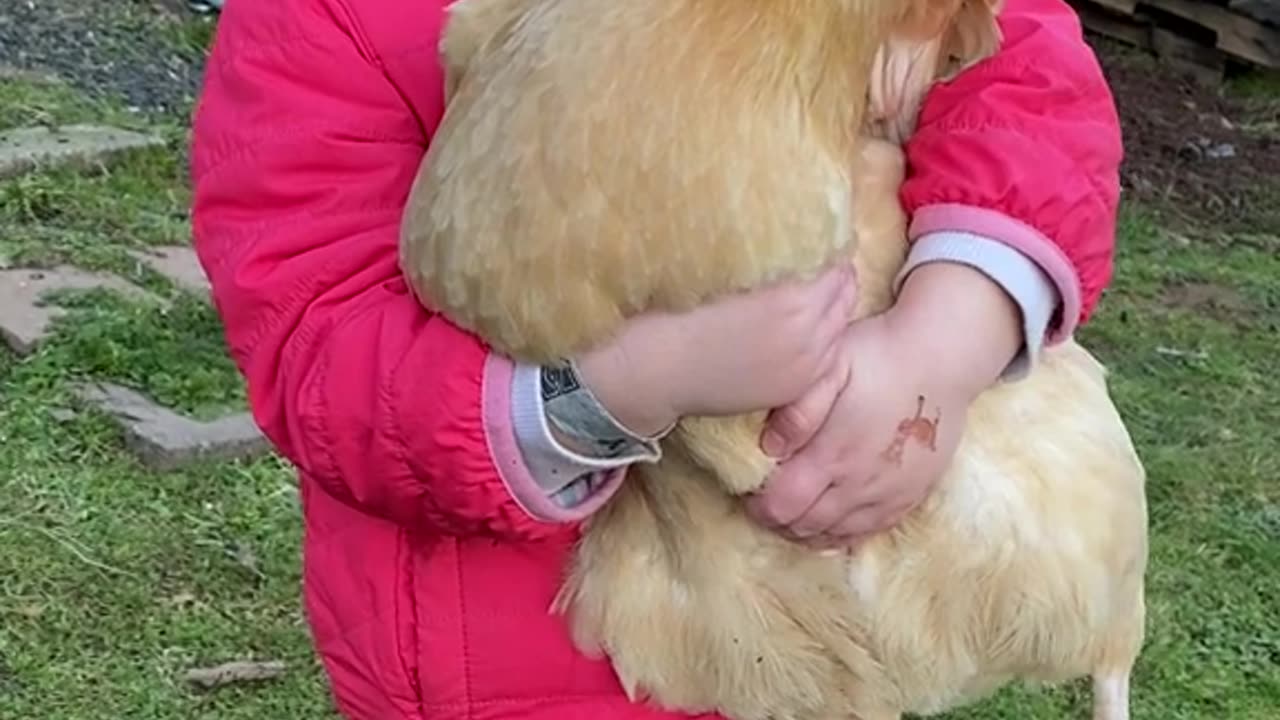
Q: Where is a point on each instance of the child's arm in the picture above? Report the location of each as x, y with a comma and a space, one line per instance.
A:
1013, 197
1015, 171
305, 147
310, 130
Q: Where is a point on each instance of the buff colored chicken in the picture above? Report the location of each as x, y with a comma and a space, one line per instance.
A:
771, 154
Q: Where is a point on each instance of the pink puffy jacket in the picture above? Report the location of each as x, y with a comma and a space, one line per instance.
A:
427, 583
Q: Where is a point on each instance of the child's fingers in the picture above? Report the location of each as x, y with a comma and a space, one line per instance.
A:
792, 426
859, 523
789, 492
853, 499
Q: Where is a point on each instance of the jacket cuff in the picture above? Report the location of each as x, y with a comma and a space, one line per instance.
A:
552, 463
549, 482
1020, 277
1034, 245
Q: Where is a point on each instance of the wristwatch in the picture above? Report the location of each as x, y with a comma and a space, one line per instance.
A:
577, 416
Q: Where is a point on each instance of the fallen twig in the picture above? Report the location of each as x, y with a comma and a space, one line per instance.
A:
234, 672
1174, 352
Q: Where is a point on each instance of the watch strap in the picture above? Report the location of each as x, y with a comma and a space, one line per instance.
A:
577, 414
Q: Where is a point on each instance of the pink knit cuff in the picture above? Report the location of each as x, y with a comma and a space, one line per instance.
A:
499, 373
954, 217
1020, 277
555, 466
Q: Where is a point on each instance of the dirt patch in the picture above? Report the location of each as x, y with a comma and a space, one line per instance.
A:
1216, 301
1207, 157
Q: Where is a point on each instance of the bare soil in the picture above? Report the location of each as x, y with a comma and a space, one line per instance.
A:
1208, 156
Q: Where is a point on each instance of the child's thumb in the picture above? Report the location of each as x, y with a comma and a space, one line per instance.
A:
791, 427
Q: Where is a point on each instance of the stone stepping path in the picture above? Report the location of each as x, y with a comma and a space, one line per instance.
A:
161, 438
26, 149
177, 263
164, 440
25, 318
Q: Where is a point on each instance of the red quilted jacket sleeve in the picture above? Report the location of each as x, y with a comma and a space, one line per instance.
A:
303, 155
1025, 148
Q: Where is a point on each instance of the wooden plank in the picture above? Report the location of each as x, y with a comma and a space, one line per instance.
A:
1266, 12
1126, 7
1238, 35
1114, 25
1203, 64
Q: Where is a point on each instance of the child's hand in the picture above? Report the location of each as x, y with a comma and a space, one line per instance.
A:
887, 440
748, 352
895, 426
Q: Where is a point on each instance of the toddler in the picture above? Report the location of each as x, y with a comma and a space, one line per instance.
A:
443, 485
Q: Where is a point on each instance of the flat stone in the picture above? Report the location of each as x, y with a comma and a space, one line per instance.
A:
164, 440
24, 149
25, 318
179, 264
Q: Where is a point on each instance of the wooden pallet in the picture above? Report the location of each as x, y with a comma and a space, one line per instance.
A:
1202, 32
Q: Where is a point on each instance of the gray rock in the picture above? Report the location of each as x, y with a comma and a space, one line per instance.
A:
24, 149
24, 317
1220, 151
163, 440
179, 264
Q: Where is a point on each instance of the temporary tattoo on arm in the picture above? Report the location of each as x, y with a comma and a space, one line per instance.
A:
918, 428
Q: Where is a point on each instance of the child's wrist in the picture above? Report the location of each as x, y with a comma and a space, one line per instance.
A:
567, 444
622, 394
958, 321
1024, 281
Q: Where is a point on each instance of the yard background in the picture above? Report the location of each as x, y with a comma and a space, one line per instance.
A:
115, 579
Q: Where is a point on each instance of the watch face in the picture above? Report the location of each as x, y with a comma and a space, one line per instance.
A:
572, 409
557, 381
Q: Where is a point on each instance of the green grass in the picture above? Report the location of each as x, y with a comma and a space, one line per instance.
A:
34, 99
1257, 84
60, 215
92, 217
115, 579
1197, 384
